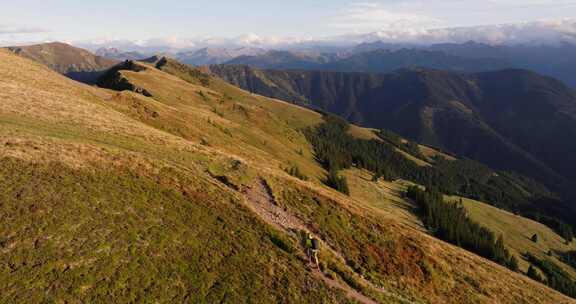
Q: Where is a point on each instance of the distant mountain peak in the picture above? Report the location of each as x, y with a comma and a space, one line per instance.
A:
213, 55
118, 54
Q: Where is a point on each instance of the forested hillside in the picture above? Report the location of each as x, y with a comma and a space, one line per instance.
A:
511, 119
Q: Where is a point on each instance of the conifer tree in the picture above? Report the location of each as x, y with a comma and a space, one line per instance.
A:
337, 182
533, 274
513, 263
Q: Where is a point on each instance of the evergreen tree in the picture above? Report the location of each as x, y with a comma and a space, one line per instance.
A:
376, 176
501, 255
335, 149
566, 232
513, 264
450, 222
295, 171
556, 277
533, 274
337, 182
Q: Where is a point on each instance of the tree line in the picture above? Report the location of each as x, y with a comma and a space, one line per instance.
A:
450, 222
556, 277
335, 150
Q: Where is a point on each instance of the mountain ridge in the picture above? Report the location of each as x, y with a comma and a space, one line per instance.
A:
381, 57
153, 211
407, 101
73, 62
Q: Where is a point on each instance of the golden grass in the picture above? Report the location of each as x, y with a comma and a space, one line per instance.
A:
382, 197
517, 232
253, 128
363, 133
416, 160
430, 153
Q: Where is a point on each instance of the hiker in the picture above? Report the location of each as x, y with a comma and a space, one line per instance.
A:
313, 246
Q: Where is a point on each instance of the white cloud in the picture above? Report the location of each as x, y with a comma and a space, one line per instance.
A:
175, 43
11, 30
538, 32
371, 15
552, 31
420, 15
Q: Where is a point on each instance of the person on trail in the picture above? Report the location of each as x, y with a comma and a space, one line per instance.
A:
313, 246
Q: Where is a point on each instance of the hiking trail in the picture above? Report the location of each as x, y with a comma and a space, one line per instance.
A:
260, 199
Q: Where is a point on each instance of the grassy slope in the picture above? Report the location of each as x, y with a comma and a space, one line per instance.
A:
64, 58
142, 220
385, 197
138, 218
517, 232
382, 197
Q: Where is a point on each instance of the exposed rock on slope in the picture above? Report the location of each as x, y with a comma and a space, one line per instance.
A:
115, 80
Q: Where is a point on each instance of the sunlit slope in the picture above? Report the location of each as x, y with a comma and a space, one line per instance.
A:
222, 117
116, 197
98, 207
517, 232
282, 109
76, 63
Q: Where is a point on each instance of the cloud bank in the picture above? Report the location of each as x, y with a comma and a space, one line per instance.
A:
368, 16
539, 32
10, 30
548, 32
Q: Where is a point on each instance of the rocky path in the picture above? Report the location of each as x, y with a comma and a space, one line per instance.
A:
260, 200
350, 292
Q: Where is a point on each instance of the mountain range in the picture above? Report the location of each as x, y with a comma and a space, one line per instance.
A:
423, 106
379, 57
164, 182
215, 55
510, 119
117, 54
555, 60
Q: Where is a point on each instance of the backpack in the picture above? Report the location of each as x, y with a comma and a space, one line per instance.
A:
315, 244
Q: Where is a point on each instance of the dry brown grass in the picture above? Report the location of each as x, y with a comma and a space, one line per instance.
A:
431, 153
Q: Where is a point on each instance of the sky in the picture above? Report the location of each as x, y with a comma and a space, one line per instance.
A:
182, 21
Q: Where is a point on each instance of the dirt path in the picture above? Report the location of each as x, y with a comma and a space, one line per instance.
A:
262, 202
350, 292
260, 199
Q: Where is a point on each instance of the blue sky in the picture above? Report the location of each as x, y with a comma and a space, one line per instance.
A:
74, 20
